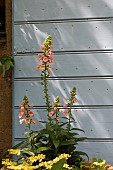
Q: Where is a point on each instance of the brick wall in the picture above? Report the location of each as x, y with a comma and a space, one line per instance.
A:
6, 88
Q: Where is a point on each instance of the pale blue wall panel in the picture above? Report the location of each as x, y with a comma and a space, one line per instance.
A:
98, 150
96, 123
89, 92
66, 36
60, 9
66, 65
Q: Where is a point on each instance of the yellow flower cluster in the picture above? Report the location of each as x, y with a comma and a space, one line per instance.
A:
49, 164
8, 162
14, 151
39, 158
28, 165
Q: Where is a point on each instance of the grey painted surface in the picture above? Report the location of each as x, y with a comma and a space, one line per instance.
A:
94, 122
66, 36
69, 34
62, 9
74, 65
89, 92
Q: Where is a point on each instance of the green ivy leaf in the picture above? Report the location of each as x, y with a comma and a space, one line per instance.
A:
7, 65
1, 68
11, 63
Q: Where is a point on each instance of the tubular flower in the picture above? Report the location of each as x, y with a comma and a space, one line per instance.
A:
47, 56
42, 47
25, 112
22, 110
22, 121
65, 105
75, 100
48, 71
57, 118
37, 67
27, 120
30, 113
45, 59
33, 121
66, 112
67, 98
51, 113
42, 67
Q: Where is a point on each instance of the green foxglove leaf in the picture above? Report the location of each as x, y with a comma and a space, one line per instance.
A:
81, 153
28, 151
77, 129
43, 149
56, 143
18, 145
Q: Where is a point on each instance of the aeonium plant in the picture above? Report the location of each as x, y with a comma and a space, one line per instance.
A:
58, 137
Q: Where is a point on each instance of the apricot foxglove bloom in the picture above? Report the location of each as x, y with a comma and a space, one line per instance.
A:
46, 57
25, 112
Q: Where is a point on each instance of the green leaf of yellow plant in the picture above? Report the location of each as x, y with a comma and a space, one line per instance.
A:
59, 165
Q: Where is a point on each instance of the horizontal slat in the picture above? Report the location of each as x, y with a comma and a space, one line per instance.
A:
98, 150
89, 92
66, 36
74, 65
60, 9
96, 123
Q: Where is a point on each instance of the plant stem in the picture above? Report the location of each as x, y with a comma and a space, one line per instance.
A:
46, 92
56, 118
70, 115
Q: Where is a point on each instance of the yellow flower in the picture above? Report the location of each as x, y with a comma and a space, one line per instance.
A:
39, 157
66, 156
67, 166
14, 151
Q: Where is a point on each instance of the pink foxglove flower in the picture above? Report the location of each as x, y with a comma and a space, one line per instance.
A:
31, 114
33, 121
22, 109
27, 120
22, 121
66, 112
65, 105
51, 113
75, 100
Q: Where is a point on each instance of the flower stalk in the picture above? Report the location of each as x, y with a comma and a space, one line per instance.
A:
46, 58
71, 100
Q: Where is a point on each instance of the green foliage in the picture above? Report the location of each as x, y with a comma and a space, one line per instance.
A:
53, 141
59, 165
98, 164
6, 63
